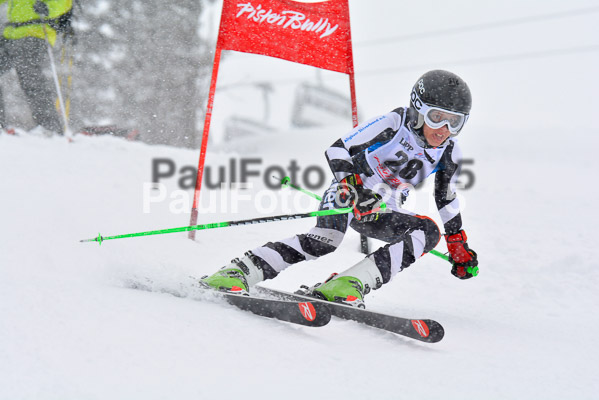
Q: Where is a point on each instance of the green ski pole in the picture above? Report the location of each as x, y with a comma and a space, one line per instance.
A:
439, 254
261, 220
286, 182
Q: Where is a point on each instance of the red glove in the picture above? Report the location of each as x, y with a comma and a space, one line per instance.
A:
463, 259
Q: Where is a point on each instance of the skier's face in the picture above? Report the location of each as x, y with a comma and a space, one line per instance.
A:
435, 137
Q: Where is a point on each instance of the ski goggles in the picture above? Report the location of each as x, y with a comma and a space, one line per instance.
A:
436, 117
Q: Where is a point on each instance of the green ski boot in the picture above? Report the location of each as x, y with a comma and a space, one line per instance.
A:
341, 289
350, 286
237, 277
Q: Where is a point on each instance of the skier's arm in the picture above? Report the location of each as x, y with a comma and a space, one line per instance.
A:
445, 189
377, 130
464, 260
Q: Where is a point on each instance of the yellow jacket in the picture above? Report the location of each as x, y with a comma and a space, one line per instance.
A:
23, 21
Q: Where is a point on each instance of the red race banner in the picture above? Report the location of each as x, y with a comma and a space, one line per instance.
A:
316, 34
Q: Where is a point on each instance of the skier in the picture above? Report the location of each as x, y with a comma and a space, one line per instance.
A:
379, 160
23, 46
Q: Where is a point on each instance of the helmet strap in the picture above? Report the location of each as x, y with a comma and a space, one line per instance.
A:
420, 139
419, 122
415, 123
414, 118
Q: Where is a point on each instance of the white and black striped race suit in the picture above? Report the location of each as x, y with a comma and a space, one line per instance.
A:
390, 158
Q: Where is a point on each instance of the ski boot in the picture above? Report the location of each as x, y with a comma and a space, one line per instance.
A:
237, 277
350, 286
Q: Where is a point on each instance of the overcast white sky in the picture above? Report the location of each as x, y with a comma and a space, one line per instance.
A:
539, 74
530, 86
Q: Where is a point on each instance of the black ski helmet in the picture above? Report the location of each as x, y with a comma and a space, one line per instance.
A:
442, 89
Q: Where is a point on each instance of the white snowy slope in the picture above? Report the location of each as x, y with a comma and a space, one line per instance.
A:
71, 329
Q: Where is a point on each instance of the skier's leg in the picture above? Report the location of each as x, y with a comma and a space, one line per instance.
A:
409, 237
265, 262
321, 240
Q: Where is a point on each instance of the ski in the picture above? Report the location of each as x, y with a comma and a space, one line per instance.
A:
303, 311
424, 330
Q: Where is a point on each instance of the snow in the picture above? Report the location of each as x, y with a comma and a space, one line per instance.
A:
71, 328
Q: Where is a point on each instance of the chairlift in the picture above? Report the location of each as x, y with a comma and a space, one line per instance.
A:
316, 105
238, 127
